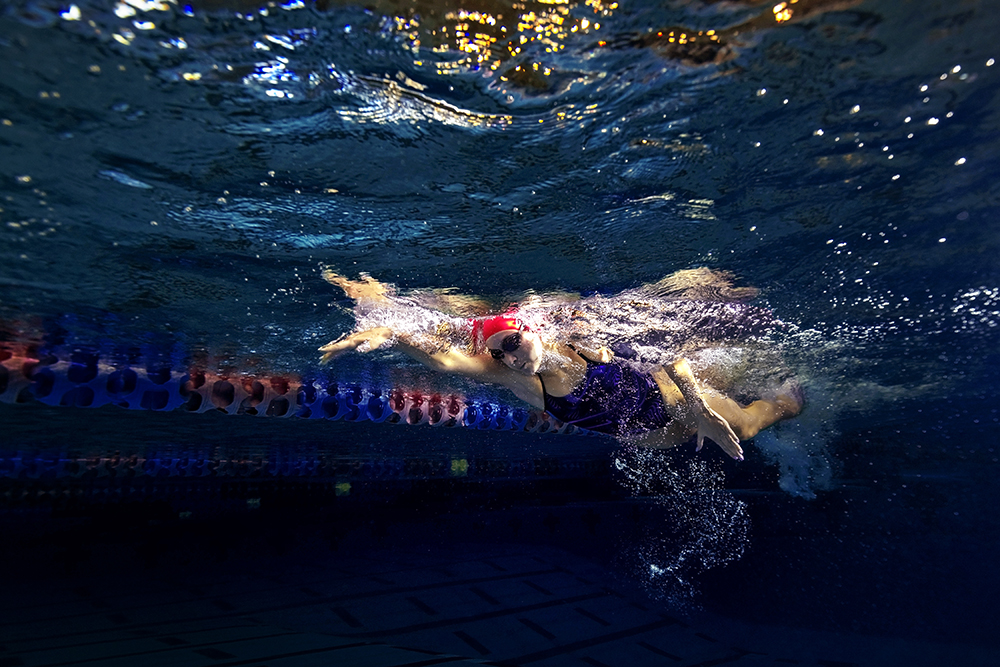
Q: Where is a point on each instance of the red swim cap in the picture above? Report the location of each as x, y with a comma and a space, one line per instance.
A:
496, 324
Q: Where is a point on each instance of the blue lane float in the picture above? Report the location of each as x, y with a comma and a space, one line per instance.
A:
85, 381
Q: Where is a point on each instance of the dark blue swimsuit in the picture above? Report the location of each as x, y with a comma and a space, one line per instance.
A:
613, 398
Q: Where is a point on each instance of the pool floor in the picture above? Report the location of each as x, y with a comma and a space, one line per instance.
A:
363, 597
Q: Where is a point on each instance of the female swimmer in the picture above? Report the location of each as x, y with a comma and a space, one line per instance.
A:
590, 388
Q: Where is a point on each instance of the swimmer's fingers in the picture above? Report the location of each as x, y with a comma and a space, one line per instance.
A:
332, 277
713, 426
365, 288
336, 348
328, 357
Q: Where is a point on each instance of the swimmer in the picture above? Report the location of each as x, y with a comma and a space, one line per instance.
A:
588, 387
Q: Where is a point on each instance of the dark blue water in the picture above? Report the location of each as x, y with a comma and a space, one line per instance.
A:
174, 179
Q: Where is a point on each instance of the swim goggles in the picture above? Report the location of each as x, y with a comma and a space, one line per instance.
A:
508, 344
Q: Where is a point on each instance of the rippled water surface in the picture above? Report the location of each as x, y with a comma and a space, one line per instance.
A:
175, 178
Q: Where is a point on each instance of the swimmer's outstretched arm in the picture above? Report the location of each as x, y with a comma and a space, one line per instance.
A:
695, 411
372, 339
481, 367
365, 287
447, 300
446, 360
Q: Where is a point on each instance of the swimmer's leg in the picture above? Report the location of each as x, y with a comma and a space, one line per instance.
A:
747, 421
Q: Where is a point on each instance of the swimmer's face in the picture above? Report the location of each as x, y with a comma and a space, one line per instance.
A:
518, 350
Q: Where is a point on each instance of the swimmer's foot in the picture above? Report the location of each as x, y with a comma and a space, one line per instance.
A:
790, 398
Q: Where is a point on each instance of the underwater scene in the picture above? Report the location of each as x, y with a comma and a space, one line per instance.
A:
798, 201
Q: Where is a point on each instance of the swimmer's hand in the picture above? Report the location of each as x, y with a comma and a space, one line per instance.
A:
365, 288
710, 424
369, 340
713, 426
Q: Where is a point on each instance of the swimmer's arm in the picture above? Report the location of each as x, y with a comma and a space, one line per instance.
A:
447, 360
599, 354
372, 339
481, 367
709, 423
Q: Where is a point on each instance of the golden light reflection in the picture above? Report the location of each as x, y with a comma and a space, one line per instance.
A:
518, 40
782, 11
490, 34
515, 40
